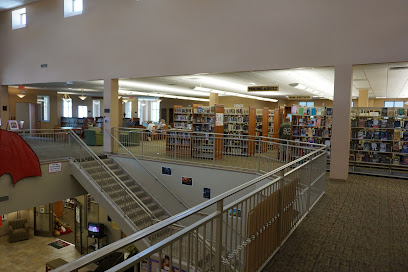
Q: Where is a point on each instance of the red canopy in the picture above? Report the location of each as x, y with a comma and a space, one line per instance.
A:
17, 158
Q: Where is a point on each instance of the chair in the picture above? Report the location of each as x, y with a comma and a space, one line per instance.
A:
18, 230
94, 136
127, 138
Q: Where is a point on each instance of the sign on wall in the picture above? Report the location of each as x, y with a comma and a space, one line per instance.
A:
274, 88
239, 106
54, 167
299, 97
219, 119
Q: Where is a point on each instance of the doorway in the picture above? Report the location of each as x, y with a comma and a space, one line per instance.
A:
43, 220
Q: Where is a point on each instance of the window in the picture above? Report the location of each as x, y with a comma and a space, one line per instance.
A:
73, 7
82, 111
44, 101
306, 104
96, 108
141, 109
352, 104
155, 109
128, 109
67, 107
392, 104
19, 18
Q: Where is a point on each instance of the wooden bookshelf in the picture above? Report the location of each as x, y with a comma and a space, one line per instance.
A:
182, 117
236, 124
178, 143
270, 123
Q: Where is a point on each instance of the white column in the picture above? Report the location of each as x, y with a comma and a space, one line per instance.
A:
4, 106
110, 111
340, 143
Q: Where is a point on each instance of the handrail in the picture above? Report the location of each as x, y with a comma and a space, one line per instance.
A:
111, 173
223, 134
133, 156
94, 256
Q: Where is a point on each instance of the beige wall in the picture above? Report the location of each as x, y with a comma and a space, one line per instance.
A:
379, 102
31, 97
156, 38
29, 214
229, 101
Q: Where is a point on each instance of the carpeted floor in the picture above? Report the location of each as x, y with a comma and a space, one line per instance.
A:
361, 225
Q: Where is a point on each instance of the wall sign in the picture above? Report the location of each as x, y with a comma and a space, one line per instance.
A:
274, 88
299, 97
219, 119
54, 167
106, 110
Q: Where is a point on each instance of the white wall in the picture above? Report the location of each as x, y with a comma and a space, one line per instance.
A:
131, 38
34, 191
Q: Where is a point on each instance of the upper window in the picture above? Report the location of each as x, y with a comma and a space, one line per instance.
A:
306, 104
19, 18
44, 101
82, 111
155, 111
73, 7
67, 107
394, 104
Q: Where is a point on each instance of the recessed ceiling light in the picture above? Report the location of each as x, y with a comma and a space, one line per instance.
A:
381, 97
252, 83
70, 82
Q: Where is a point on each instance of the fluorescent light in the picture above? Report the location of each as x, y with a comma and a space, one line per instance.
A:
230, 94
380, 97
315, 96
252, 83
217, 91
202, 89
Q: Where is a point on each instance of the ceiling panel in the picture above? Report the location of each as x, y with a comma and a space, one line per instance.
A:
11, 4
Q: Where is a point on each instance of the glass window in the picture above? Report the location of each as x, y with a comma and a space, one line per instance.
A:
44, 101
82, 111
19, 18
306, 104
155, 110
399, 104
73, 7
389, 104
352, 103
96, 108
67, 107
128, 109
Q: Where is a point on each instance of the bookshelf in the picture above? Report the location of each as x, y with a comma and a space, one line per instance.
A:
178, 143
182, 117
379, 138
312, 124
240, 123
270, 123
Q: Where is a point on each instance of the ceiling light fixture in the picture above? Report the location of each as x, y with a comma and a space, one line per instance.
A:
82, 97
21, 95
381, 97
252, 83
65, 97
119, 96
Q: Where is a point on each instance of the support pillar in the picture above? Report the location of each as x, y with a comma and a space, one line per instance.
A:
340, 143
363, 98
4, 106
110, 111
213, 99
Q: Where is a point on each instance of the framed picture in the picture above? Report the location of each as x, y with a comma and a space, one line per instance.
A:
207, 193
187, 181
13, 125
166, 171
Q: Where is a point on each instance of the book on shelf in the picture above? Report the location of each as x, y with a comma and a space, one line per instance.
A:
376, 123
404, 149
384, 135
369, 123
326, 133
396, 160
397, 134
376, 158
366, 146
397, 124
369, 134
383, 147
383, 124
401, 112
377, 135
329, 111
303, 132
319, 111
296, 132
308, 111
361, 123
314, 112
359, 157
327, 142
405, 136
360, 135
300, 110
405, 160
384, 112
313, 122
374, 146
396, 147
295, 110
319, 121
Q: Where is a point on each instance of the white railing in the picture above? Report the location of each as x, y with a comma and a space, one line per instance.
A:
228, 151
50, 145
245, 226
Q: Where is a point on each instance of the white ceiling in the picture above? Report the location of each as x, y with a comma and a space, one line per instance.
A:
382, 80
10, 4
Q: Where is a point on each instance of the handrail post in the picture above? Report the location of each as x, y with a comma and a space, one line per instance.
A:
142, 139
259, 154
218, 236
280, 207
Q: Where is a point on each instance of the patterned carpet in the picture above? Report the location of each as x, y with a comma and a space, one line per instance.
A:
361, 225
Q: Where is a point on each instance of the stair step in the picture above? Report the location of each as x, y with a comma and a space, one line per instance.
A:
108, 161
136, 210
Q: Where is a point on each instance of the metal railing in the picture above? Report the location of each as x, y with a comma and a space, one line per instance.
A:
245, 227
126, 150
50, 145
228, 151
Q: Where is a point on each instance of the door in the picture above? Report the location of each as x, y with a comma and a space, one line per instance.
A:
43, 220
78, 226
171, 117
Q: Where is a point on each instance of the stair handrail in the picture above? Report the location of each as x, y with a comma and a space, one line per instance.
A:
153, 175
112, 174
